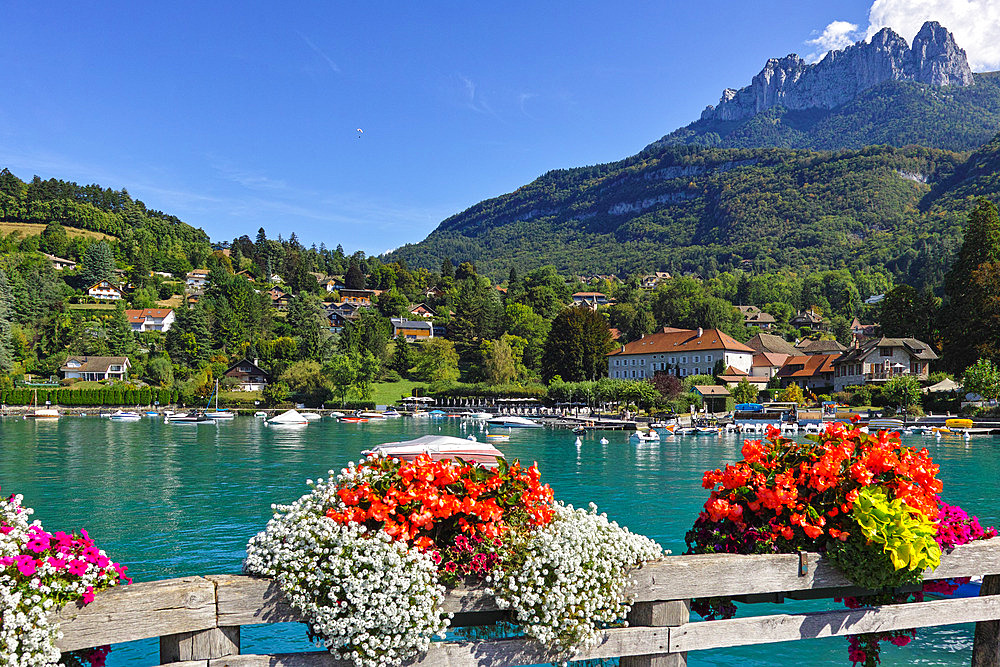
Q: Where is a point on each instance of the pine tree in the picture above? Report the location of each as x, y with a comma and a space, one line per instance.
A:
354, 279
98, 264
970, 322
447, 268
120, 339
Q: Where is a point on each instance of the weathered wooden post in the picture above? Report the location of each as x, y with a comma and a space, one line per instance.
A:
658, 614
986, 645
201, 645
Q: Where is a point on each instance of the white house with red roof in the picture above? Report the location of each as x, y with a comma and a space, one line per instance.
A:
679, 352
150, 319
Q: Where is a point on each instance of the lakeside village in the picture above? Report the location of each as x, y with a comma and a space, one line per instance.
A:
272, 324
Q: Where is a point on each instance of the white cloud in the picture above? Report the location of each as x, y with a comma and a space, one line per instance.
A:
837, 35
975, 24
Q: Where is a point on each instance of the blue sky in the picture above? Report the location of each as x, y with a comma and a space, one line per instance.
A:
234, 116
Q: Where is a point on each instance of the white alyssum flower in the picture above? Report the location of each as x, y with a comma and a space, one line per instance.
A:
572, 582
370, 599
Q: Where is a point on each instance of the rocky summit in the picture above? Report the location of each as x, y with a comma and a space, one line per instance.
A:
934, 58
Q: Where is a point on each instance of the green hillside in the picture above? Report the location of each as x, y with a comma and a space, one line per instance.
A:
896, 113
700, 210
163, 241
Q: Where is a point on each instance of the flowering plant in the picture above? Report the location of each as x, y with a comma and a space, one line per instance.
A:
864, 500
388, 535
40, 572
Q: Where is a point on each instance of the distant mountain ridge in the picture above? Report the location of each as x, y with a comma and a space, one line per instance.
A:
860, 161
935, 59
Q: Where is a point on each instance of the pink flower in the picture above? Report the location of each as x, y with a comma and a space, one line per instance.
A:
88, 595
26, 564
902, 640
77, 567
57, 563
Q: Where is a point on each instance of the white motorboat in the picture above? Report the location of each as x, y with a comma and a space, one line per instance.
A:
336, 415
440, 447
260, 414
391, 414
288, 418
195, 417
369, 415
311, 416
512, 421
122, 416
650, 436
479, 416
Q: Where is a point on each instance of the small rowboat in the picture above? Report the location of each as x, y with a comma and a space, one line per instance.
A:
353, 420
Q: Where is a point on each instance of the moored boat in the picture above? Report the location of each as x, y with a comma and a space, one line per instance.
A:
650, 436
439, 447
122, 416
196, 417
311, 416
513, 421
288, 418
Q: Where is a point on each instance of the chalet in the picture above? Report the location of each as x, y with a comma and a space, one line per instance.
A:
733, 376
332, 284
862, 332
105, 290
881, 359
150, 319
422, 310
809, 319
411, 329
359, 297
714, 396
95, 368
591, 300
249, 375
807, 346
679, 352
347, 311
336, 320
809, 371
279, 298
193, 297
763, 342
434, 293
58, 263
197, 279
766, 364
755, 317
653, 279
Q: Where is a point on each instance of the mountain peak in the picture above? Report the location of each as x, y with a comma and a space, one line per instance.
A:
935, 58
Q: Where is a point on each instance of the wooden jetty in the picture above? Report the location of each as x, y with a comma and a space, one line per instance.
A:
198, 619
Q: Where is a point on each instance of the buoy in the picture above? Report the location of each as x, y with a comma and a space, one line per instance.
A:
579, 442
472, 438
604, 441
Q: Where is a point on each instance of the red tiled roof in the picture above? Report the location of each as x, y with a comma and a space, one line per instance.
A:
772, 359
683, 340
809, 365
141, 315
582, 294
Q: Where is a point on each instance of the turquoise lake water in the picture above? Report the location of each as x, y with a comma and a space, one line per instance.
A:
170, 500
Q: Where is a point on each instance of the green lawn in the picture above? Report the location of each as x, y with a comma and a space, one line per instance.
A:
91, 306
387, 393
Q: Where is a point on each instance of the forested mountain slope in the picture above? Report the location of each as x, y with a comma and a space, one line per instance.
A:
160, 241
693, 209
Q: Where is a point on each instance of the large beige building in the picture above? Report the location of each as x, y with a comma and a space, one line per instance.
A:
679, 352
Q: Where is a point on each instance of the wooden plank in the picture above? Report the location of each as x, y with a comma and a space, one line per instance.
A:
201, 645
187, 663
986, 643
139, 611
788, 627
248, 600
614, 643
723, 575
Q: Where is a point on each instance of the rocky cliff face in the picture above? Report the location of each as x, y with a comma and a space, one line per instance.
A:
934, 59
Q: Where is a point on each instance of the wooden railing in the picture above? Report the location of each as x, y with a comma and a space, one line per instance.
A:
198, 619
